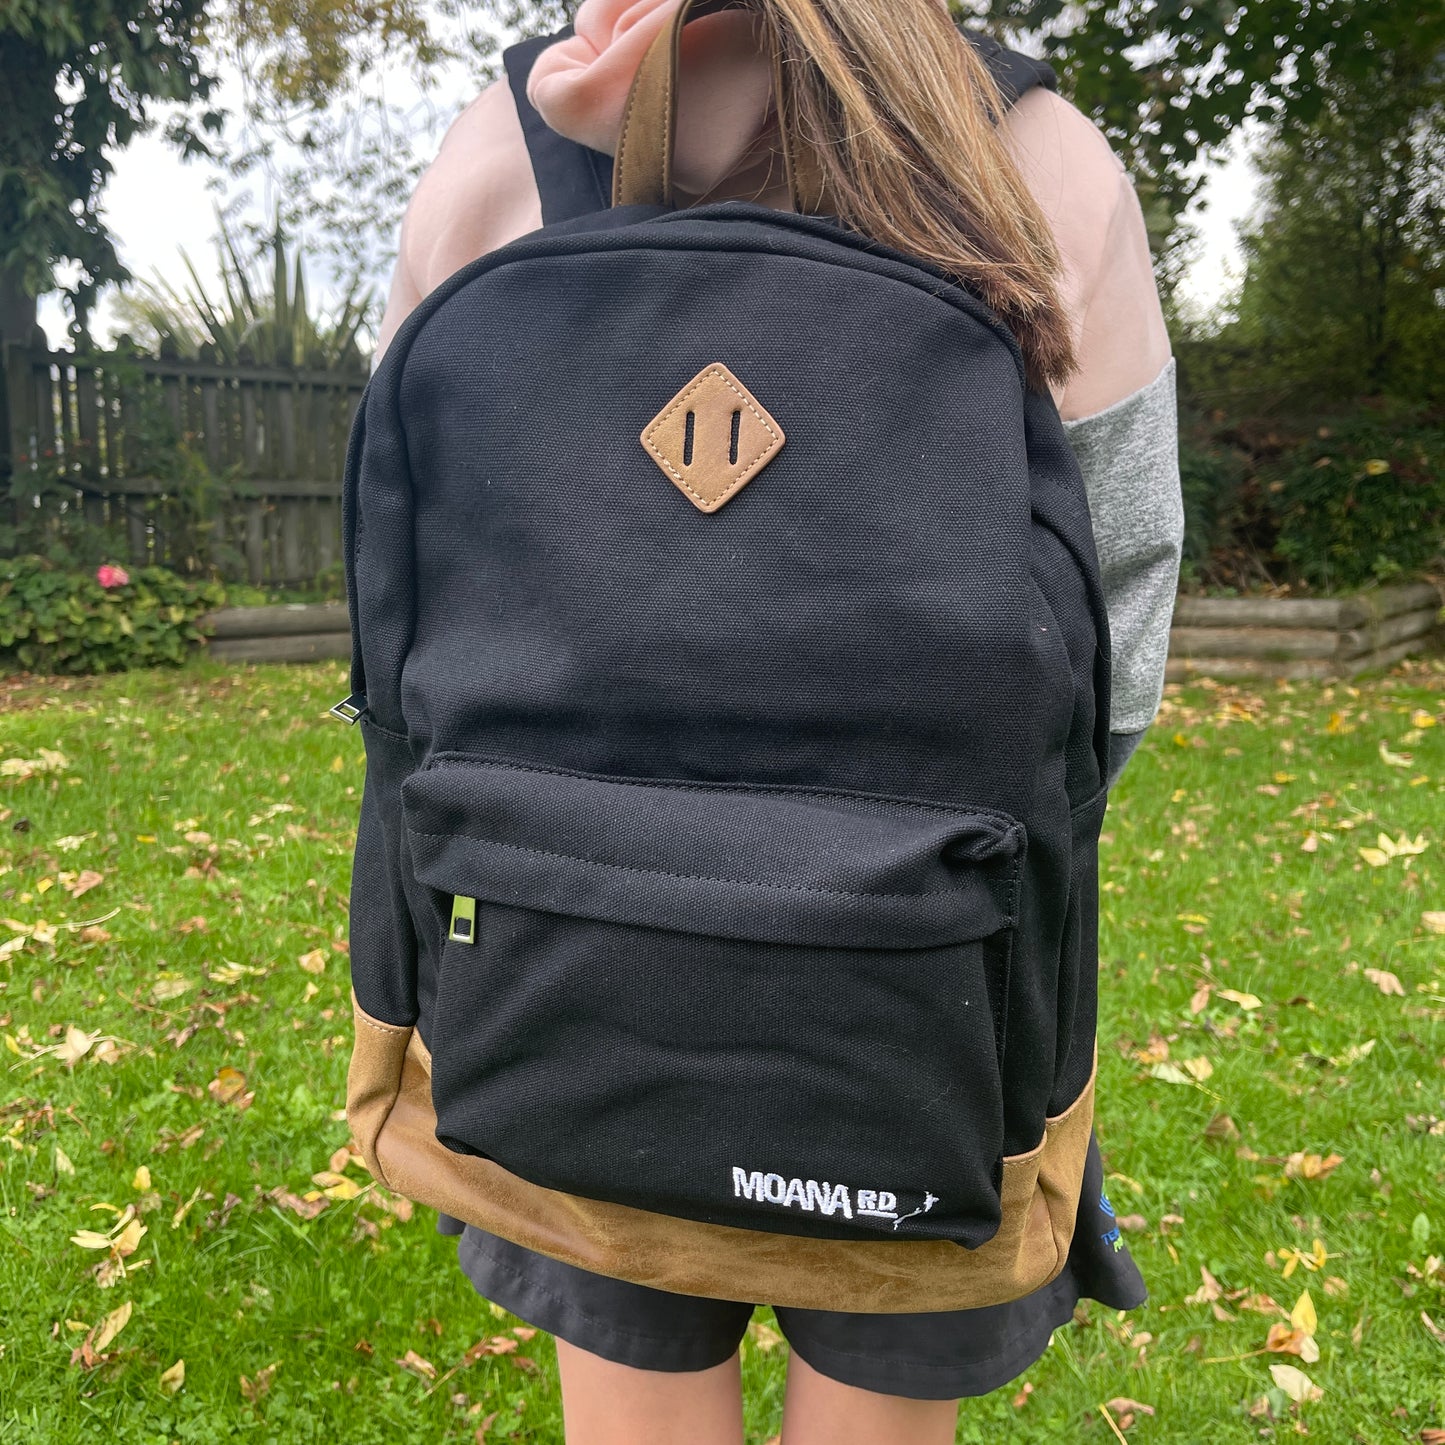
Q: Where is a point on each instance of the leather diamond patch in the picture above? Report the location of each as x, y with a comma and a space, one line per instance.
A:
713, 438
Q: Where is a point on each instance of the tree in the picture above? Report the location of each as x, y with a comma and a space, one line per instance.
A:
1168, 80
1345, 263
77, 77
318, 123
82, 78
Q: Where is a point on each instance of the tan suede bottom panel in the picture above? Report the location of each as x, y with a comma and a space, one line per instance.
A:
389, 1106
372, 1078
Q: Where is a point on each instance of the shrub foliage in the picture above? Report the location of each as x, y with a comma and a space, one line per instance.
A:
1360, 505
54, 620
1328, 508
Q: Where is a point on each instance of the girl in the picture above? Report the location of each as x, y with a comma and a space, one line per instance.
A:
1029, 205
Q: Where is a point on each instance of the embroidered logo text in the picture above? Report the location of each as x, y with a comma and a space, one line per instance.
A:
819, 1196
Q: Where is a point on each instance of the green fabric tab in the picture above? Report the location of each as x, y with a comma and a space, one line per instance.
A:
464, 920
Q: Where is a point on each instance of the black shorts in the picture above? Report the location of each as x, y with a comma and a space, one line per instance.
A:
946, 1355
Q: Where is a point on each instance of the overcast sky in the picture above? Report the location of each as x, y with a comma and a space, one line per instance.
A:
157, 206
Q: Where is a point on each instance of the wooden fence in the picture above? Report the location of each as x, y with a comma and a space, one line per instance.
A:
189, 464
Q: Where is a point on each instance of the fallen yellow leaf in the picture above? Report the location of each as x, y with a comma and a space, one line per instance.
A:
1286, 1341
85, 882
1170, 1074
113, 1324
1209, 1291
253, 1390
128, 1238
1300, 1165
178, 1218
49, 761
336, 1186
496, 1345
418, 1366
1387, 982
1246, 1001
77, 1044
1296, 1384
227, 1084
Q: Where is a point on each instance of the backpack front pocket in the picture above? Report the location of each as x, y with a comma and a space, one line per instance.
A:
770, 1007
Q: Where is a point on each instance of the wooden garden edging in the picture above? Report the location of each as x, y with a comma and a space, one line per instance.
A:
1219, 637
1337, 637
289, 632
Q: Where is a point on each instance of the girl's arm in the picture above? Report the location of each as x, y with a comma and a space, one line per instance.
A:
1119, 407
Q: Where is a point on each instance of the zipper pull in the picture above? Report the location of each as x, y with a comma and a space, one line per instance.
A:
464, 920
351, 709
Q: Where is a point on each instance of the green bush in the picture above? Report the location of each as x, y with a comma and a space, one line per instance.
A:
53, 620
1211, 480
1361, 503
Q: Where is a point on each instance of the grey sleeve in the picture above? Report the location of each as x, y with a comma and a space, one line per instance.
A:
1129, 455
1121, 749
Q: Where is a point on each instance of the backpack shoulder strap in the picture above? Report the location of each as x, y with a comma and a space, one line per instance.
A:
1015, 73
574, 180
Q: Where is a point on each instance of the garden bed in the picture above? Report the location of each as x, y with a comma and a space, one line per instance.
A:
1219, 637
1335, 637
286, 632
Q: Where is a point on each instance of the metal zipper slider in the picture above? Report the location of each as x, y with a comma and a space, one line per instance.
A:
351, 709
464, 920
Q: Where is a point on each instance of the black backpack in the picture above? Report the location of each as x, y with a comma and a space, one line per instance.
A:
732, 662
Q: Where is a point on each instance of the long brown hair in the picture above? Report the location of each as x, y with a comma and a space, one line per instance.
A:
897, 107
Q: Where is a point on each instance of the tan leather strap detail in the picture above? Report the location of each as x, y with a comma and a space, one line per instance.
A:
642, 169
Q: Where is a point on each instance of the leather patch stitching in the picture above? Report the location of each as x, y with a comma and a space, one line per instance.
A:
379, 1027
750, 468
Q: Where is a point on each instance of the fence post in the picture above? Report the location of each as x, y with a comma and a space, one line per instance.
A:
87, 434
17, 414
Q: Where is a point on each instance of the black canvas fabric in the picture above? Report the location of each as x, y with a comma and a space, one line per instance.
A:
779, 822
572, 180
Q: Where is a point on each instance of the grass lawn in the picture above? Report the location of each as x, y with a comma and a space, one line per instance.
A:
174, 1006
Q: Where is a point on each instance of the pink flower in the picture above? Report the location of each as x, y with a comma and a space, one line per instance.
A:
109, 576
